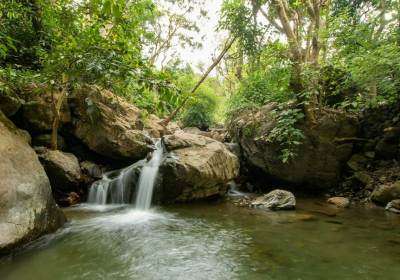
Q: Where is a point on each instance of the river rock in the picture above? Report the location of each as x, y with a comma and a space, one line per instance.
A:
195, 167
383, 194
275, 200
27, 209
320, 157
393, 206
341, 202
62, 169
109, 125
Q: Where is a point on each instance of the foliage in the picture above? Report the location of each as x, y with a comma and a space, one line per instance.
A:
89, 42
200, 112
175, 26
285, 132
311, 54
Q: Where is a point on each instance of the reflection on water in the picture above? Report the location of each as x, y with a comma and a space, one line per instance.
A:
218, 241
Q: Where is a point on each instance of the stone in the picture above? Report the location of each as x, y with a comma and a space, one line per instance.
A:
108, 125
44, 140
383, 194
71, 199
393, 206
37, 113
93, 170
234, 148
275, 200
364, 178
10, 103
152, 124
320, 157
195, 167
341, 202
27, 208
192, 130
62, 169
357, 162
216, 134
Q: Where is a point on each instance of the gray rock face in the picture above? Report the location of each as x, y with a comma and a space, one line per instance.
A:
383, 194
62, 169
27, 209
319, 159
275, 200
195, 167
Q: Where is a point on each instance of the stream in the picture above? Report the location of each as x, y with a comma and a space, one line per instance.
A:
214, 241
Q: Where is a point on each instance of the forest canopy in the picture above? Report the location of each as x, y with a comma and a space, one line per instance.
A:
305, 55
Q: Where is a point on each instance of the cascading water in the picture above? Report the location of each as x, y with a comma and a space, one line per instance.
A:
148, 177
117, 187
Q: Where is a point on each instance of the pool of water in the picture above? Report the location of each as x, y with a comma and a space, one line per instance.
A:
215, 241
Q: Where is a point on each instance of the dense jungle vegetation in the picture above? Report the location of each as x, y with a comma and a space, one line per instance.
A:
305, 55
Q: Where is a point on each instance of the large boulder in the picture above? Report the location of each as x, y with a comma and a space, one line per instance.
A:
63, 170
320, 157
109, 125
27, 209
195, 167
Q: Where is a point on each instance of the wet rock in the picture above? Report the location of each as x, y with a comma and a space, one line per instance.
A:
195, 167
10, 103
71, 199
109, 125
27, 209
62, 169
341, 202
320, 157
93, 170
394, 206
275, 200
383, 194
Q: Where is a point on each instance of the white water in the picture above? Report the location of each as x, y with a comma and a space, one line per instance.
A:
148, 177
117, 187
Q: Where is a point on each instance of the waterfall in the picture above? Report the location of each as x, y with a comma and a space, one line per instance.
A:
148, 177
117, 187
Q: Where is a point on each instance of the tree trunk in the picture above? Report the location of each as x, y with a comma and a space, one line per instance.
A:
56, 112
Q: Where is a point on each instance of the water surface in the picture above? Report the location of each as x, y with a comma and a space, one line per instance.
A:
215, 241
